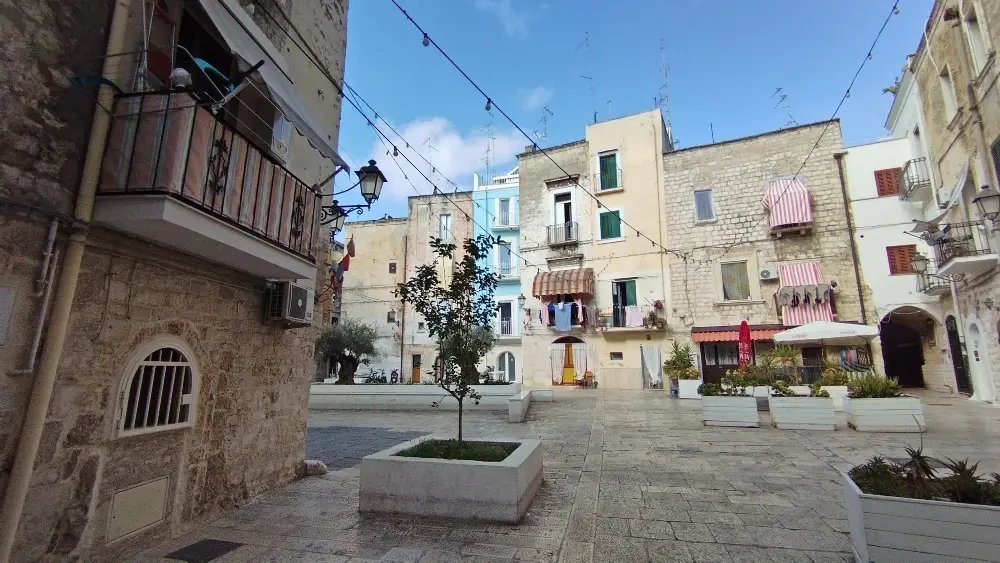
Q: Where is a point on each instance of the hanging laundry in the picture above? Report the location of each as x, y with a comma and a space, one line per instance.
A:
797, 295
823, 292
785, 296
579, 309
564, 317
633, 316
350, 248
345, 262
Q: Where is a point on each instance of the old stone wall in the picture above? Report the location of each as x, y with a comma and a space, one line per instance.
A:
737, 172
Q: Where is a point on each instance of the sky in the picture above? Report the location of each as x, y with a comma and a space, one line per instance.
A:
726, 58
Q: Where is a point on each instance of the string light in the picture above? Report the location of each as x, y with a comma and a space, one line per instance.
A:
489, 104
395, 151
427, 41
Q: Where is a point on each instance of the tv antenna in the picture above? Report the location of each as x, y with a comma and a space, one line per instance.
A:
430, 161
589, 77
544, 133
662, 99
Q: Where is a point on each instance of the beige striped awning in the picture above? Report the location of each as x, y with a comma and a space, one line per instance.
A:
579, 281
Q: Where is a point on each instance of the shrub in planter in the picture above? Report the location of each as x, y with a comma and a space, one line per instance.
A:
877, 404
797, 412
679, 368
909, 511
727, 404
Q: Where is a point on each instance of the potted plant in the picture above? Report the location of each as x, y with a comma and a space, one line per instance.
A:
458, 478
790, 411
834, 382
909, 511
876, 404
679, 368
727, 403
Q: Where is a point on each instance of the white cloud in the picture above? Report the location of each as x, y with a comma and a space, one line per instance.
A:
514, 24
455, 155
534, 98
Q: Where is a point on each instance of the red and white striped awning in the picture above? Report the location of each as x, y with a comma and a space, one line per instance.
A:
579, 281
788, 203
804, 273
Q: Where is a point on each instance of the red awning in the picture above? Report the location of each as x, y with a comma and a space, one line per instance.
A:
733, 335
788, 202
579, 281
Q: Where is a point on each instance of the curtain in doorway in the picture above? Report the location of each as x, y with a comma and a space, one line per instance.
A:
580, 360
556, 359
651, 361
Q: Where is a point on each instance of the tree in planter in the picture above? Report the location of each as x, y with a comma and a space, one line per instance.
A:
351, 343
680, 365
458, 314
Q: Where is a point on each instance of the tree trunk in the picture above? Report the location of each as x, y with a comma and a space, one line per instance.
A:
459, 421
348, 366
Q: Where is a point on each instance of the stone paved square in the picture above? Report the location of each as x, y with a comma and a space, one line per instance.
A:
629, 476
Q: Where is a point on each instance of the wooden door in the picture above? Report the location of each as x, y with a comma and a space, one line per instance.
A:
415, 378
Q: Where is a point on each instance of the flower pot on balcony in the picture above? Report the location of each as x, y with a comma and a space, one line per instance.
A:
891, 414
802, 413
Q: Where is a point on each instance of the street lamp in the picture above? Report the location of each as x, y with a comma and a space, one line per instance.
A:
919, 263
521, 299
988, 202
370, 178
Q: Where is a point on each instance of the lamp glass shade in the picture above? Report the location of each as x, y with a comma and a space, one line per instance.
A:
919, 263
371, 179
988, 202
338, 219
520, 300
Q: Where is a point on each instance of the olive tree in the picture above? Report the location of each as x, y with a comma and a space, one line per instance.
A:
459, 313
351, 342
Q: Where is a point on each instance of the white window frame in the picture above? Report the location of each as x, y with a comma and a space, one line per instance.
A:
511, 212
132, 367
515, 267
514, 332
597, 225
572, 203
618, 170
948, 94
753, 270
504, 371
442, 219
711, 201
979, 60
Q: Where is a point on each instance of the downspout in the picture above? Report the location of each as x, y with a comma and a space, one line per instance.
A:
43, 289
41, 391
660, 213
402, 316
839, 157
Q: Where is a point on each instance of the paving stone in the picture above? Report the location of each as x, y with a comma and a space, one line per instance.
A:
692, 532
617, 549
668, 551
709, 553
654, 529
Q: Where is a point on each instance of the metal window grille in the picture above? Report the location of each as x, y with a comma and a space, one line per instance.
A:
160, 394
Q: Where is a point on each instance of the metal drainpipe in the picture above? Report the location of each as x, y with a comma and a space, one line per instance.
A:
402, 317
41, 391
839, 157
36, 341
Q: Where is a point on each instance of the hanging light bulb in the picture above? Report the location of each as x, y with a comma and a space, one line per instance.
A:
895, 10
427, 40
395, 151
489, 104
869, 56
848, 94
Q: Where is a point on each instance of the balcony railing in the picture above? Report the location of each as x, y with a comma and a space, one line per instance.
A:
609, 180
505, 327
629, 316
564, 233
916, 175
960, 240
168, 145
931, 284
507, 270
505, 219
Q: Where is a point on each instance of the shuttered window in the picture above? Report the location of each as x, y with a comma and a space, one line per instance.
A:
609, 171
611, 225
887, 181
901, 259
995, 152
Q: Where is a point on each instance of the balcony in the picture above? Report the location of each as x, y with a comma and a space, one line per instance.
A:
965, 251
564, 233
629, 317
915, 182
506, 329
508, 271
930, 284
504, 220
609, 180
179, 177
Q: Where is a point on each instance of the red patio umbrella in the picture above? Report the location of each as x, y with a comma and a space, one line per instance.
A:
745, 345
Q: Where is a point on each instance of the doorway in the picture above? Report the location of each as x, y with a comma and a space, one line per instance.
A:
958, 364
902, 350
506, 367
416, 361
980, 372
564, 216
568, 357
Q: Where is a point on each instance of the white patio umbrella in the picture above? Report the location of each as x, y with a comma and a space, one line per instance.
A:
824, 333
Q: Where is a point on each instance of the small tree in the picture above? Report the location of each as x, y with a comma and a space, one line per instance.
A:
459, 315
351, 342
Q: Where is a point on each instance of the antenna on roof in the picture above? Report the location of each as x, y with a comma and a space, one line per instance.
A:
544, 133
662, 99
590, 73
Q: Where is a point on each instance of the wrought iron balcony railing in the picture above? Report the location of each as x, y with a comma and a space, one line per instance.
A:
629, 316
508, 270
916, 175
961, 239
505, 327
564, 233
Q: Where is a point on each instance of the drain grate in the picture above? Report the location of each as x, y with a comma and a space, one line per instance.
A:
939, 404
203, 551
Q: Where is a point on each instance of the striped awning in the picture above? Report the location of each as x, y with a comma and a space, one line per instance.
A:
804, 273
788, 202
579, 281
724, 334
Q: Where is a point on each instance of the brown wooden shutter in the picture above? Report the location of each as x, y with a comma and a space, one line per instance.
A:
887, 181
901, 258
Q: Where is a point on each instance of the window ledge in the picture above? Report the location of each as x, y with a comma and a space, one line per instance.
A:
705, 222
985, 70
611, 190
740, 302
124, 435
607, 240
955, 119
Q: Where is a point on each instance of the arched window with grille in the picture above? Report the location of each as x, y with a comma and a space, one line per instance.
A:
159, 389
505, 366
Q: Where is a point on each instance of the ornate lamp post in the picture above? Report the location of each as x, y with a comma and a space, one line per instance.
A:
371, 179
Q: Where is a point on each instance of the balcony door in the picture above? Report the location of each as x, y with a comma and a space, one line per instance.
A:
622, 295
503, 212
506, 313
564, 214
504, 260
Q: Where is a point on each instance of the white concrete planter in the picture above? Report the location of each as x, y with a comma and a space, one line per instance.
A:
894, 414
803, 413
518, 404
892, 529
688, 388
837, 393
729, 411
405, 397
476, 490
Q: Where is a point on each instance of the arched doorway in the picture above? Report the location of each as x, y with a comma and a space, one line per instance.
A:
505, 366
568, 359
979, 360
958, 362
901, 334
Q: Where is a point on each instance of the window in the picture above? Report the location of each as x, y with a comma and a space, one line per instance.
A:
505, 263
623, 295
160, 392
704, 208
392, 267
505, 366
505, 313
977, 40
504, 216
721, 354
735, 281
948, 93
608, 165
901, 259
617, 356
421, 326
611, 225
887, 181
444, 227
390, 317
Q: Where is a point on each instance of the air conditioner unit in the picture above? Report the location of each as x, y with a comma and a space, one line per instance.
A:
290, 303
768, 274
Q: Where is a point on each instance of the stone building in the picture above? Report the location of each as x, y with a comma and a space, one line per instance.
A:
144, 238
955, 78
579, 239
746, 219
388, 253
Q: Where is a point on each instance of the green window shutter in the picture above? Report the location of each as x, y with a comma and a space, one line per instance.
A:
604, 226
615, 226
630, 293
609, 171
